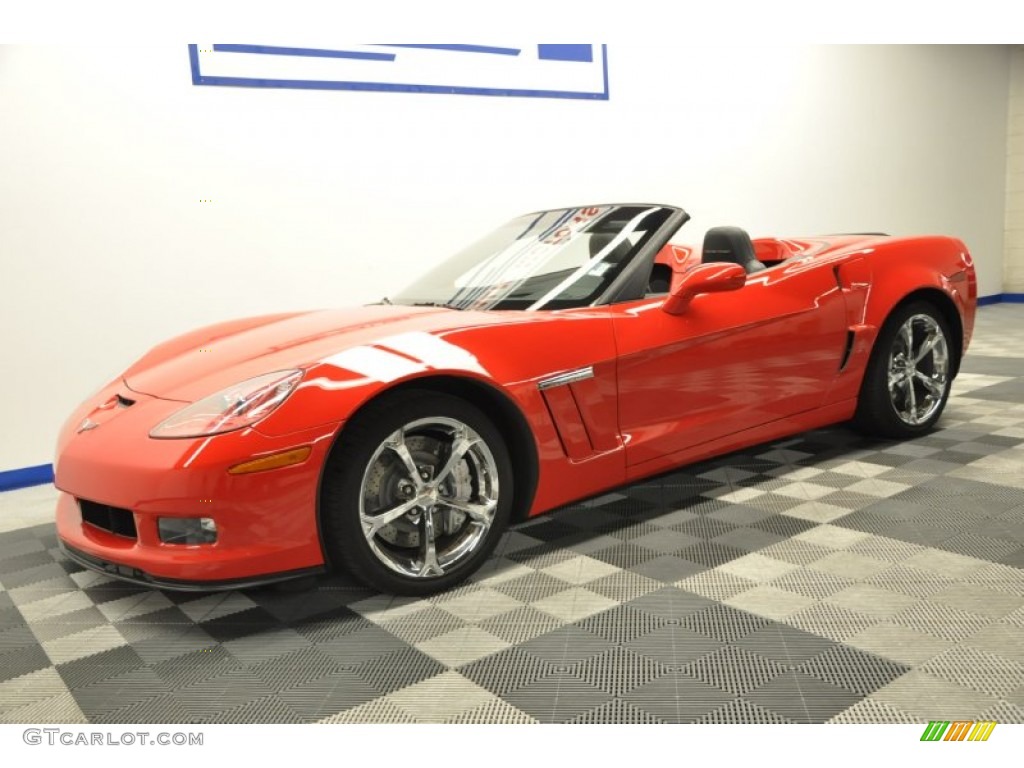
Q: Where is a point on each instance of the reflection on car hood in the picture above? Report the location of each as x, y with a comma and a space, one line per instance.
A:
200, 363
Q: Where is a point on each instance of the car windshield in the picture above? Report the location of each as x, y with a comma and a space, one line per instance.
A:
548, 260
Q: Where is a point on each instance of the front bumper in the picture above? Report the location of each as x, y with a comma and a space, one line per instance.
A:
135, 576
266, 521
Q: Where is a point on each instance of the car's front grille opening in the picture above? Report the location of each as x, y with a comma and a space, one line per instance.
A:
116, 520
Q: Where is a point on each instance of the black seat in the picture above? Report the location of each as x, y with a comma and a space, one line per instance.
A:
660, 280
730, 244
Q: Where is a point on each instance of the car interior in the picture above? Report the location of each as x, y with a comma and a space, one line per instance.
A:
721, 244
732, 245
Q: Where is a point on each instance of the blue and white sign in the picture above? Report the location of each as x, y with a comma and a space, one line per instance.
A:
552, 71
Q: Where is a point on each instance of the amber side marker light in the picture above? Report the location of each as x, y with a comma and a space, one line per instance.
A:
274, 461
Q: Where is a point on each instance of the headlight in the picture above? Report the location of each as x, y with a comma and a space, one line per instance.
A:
233, 408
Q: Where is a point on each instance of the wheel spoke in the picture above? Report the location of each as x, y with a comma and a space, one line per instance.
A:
459, 448
895, 379
482, 513
933, 338
908, 337
373, 523
934, 387
430, 565
911, 401
397, 445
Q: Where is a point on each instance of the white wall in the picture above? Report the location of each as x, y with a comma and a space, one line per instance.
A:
1013, 259
333, 198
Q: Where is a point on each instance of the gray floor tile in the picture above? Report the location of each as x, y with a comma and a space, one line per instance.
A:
678, 698
931, 698
668, 568
786, 645
506, 670
742, 711
617, 711
616, 671
622, 624
319, 698
110, 694
724, 623
100, 666
853, 670
397, 670
734, 669
802, 698
557, 697
566, 646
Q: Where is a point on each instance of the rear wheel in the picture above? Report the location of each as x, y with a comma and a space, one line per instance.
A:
906, 385
417, 493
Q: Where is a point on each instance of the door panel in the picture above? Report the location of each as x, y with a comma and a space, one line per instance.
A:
732, 361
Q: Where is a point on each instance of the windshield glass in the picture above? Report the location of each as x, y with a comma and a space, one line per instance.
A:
547, 260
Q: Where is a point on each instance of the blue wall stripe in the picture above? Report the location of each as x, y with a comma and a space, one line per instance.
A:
458, 48
23, 478
193, 60
604, 68
564, 52
341, 85
322, 53
1000, 298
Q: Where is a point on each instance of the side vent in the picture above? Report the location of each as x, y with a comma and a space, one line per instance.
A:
850, 336
560, 399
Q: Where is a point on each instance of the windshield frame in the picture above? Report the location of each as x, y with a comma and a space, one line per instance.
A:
628, 280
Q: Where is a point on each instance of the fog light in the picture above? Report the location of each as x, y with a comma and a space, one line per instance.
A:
187, 530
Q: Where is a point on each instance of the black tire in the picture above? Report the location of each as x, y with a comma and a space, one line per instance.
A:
363, 468
888, 411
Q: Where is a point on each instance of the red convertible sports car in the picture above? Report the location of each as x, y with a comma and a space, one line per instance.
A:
566, 353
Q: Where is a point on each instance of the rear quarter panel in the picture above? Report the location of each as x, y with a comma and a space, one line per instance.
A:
901, 266
889, 272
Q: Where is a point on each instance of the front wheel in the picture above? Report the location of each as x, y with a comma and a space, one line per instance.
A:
416, 493
906, 384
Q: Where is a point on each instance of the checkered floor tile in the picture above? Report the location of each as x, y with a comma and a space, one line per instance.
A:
824, 578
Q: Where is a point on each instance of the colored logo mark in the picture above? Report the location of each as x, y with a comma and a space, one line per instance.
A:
958, 730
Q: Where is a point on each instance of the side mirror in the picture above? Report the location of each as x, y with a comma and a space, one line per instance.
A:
706, 278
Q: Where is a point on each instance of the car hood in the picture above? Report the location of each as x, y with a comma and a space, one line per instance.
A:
203, 362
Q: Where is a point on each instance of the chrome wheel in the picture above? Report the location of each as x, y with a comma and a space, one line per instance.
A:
428, 497
918, 370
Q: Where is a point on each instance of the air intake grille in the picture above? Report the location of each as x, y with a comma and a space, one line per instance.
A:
114, 519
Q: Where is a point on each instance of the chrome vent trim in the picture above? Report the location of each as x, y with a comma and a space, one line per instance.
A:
580, 374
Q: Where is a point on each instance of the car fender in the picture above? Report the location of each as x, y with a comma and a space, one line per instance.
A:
557, 370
